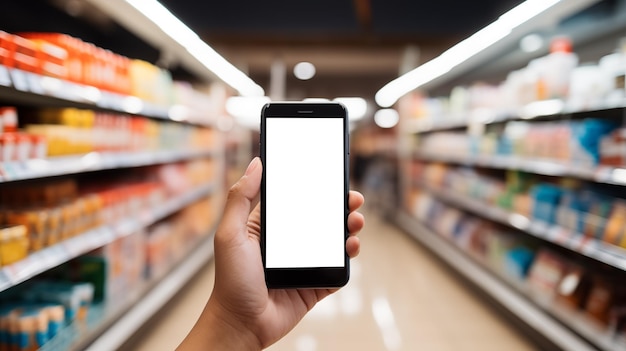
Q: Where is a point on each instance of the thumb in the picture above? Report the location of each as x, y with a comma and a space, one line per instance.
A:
241, 199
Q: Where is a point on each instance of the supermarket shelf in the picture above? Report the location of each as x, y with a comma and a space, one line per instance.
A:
514, 300
598, 174
535, 110
576, 242
21, 86
93, 161
62, 252
137, 311
101, 329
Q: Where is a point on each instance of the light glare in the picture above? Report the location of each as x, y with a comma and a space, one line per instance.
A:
461, 52
246, 109
531, 43
386, 118
304, 70
357, 107
209, 58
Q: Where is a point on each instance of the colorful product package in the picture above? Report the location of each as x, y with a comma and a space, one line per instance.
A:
545, 274
517, 262
546, 200
586, 138
596, 218
573, 288
614, 232
607, 293
30, 327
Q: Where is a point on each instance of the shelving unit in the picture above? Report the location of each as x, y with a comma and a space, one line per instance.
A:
576, 242
598, 174
110, 323
542, 316
22, 86
64, 251
470, 139
93, 161
547, 109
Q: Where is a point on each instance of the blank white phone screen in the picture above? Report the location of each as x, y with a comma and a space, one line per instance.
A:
304, 201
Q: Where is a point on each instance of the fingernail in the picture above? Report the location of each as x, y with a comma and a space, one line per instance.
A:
252, 166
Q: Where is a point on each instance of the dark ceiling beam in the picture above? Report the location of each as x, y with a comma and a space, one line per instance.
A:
363, 9
344, 40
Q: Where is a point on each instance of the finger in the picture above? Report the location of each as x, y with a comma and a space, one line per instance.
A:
241, 198
356, 221
353, 246
355, 200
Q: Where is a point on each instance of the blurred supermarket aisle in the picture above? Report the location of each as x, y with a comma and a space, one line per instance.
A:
399, 298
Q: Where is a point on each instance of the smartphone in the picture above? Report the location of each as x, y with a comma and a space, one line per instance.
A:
304, 195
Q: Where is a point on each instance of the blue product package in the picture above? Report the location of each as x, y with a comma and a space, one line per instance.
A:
546, 200
573, 209
518, 262
586, 137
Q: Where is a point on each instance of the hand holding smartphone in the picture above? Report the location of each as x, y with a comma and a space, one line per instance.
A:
304, 195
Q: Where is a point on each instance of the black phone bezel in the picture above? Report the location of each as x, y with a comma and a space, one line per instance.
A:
310, 277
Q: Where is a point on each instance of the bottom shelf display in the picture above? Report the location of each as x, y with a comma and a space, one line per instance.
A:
83, 301
574, 308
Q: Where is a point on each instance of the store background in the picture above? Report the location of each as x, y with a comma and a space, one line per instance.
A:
508, 170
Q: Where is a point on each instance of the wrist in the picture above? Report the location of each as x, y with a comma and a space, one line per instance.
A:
217, 330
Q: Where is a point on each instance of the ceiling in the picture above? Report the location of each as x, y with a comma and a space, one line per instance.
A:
356, 45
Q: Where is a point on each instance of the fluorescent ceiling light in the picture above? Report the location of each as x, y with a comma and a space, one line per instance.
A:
357, 107
386, 118
202, 52
304, 70
461, 52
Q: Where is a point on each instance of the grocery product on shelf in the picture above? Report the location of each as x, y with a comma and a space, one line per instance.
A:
110, 275
581, 209
17, 145
34, 314
548, 85
524, 173
89, 74
81, 242
568, 287
71, 131
13, 243
55, 210
578, 143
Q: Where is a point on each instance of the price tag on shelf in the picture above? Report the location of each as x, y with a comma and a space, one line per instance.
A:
126, 227
75, 246
20, 82
93, 240
106, 235
105, 101
539, 228
147, 217
34, 83
54, 256
553, 234
576, 241
5, 77
23, 269
5, 281
589, 247
17, 170
603, 174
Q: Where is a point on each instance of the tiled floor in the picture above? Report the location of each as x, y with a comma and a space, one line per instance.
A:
399, 298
